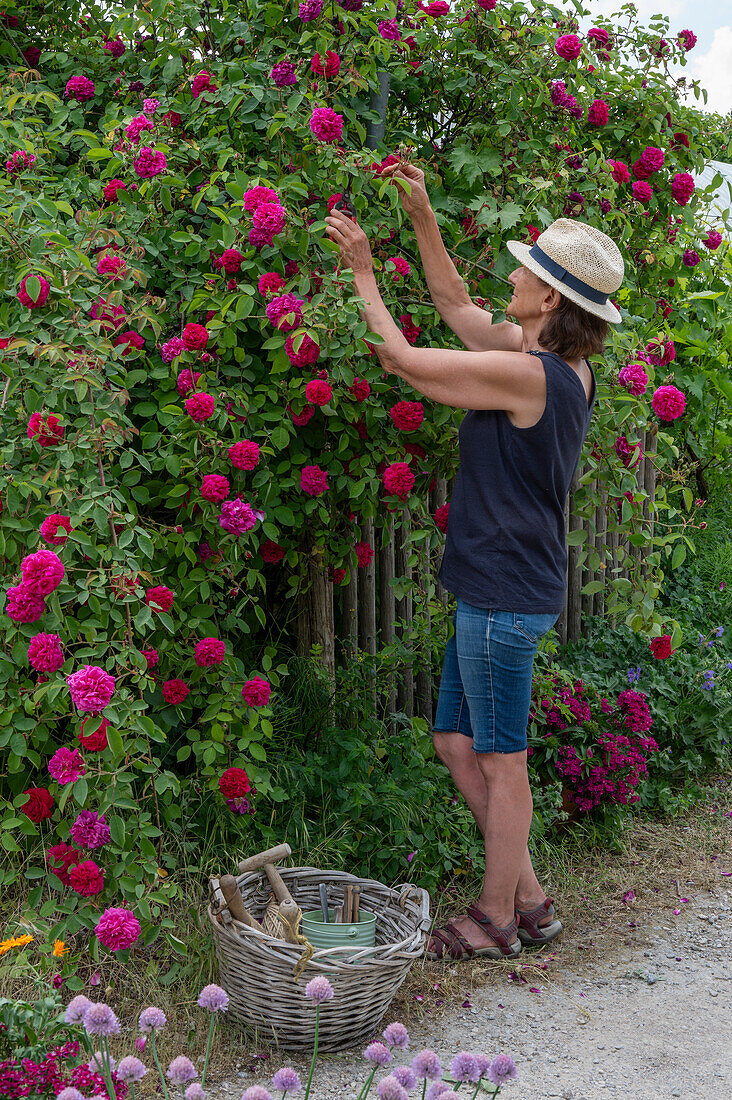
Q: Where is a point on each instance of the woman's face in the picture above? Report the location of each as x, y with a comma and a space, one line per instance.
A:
528, 294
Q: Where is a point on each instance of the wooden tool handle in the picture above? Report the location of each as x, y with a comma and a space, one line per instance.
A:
275, 879
356, 902
288, 914
235, 902
347, 903
272, 855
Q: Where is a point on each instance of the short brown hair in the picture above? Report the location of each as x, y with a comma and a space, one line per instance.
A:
572, 332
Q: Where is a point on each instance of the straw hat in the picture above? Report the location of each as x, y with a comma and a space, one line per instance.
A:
578, 260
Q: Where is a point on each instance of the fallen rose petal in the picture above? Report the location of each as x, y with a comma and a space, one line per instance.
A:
676, 912
629, 896
467, 1004
534, 989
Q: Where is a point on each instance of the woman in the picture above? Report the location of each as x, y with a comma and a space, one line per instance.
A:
530, 400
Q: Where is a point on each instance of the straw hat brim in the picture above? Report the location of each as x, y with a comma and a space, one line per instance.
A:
521, 251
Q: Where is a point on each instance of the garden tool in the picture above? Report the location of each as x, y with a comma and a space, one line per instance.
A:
233, 901
344, 203
280, 921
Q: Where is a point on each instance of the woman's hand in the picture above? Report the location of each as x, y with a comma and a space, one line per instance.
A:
418, 202
352, 241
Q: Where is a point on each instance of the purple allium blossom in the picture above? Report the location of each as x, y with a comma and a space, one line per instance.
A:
70, 1094
286, 1080
502, 1069
214, 998
484, 1063
131, 1069
405, 1076
76, 1008
256, 1092
195, 1092
181, 1070
319, 989
389, 1088
441, 1089
378, 1054
152, 1018
426, 1064
396, 1035
99, 1019
97, 1062
464, 1067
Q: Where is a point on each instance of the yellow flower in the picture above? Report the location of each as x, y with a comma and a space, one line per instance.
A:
16, 941
59, 949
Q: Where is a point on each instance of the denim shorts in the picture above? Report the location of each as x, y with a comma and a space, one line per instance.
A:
485, 689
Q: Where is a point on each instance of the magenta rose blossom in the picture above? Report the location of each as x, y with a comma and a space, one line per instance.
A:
45, 653
244, 454
117, 929
313, 480
91, 688
209, 651
23, 606
66, 766
256, 692
599, 113
668, 402
398, 479
568, 46
634, 379
42, 572
682, 187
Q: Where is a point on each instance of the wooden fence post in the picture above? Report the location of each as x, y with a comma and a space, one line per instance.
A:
315, 625
561, 625
367, 603
387, 608
649, 484
405, 690
574, 578
349, 614
600, 537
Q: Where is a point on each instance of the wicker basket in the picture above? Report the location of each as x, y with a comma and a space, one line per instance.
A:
257, 971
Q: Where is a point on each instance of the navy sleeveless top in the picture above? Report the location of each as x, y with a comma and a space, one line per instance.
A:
505, 548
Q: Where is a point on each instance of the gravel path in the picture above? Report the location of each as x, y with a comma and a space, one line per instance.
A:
650, 1023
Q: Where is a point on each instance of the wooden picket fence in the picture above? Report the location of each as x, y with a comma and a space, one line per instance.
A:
366, 615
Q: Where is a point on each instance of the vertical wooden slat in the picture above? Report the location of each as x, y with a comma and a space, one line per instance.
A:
649, 483
349, 613
601, 534
405, 690
367, 602
574, 578
387, 604
423, 682
561, 626
588, 573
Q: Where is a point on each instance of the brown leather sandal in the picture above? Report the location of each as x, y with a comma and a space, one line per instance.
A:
458, 947
530, 932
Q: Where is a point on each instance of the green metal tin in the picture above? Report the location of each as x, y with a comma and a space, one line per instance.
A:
323, 935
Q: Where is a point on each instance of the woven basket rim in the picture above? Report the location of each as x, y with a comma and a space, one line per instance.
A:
244, 933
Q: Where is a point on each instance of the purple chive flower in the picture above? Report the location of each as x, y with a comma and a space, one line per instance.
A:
720, 631
181, 1070
70, 1094
76, 1008
484, 1063
427, 1065
464, 1067
213, 997
378, 1054
256, 1092
131, 1069
152, 1018
502, 1069
99, 1019
97, 1062
286, 1080
319, 989
405, 1076
195, 1092
389, 1088
441, 1089
396, 1035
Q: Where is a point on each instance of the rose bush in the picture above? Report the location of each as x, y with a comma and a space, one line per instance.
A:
194, 414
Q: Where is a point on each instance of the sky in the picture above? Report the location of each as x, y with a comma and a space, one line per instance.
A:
710, 60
